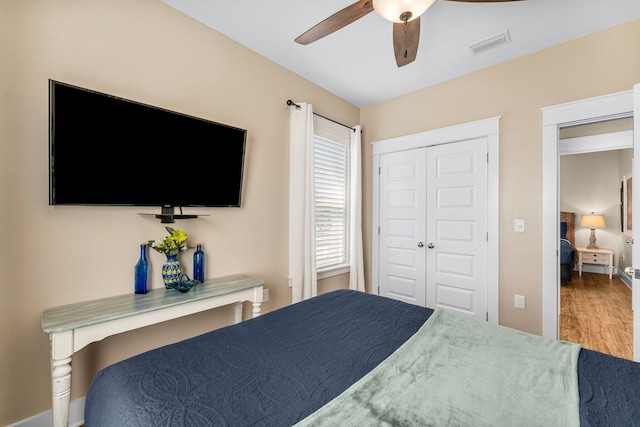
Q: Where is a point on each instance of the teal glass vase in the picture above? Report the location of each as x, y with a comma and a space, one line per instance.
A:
171, 271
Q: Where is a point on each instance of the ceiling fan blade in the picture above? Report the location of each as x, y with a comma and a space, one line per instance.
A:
406, 37
336, 21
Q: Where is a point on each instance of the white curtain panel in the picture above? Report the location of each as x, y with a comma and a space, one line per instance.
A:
356, 278
303, 277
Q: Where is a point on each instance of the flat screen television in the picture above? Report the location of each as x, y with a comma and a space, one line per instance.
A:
106, 150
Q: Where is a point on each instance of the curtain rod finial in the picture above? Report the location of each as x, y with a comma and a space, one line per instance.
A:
290, 103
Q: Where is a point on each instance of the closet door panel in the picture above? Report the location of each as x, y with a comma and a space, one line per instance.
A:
456, 258
402, 226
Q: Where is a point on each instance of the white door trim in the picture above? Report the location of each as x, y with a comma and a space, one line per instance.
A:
591, 110
635, 256
489, 129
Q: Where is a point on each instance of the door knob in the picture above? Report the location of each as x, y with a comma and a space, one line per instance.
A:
420, 245
430, 246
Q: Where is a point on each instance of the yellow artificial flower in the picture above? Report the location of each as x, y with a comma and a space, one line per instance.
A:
175, 242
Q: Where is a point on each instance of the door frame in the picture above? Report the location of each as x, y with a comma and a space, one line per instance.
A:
607, 107
488, 129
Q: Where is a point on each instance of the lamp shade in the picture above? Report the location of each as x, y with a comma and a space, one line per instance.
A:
392, 9
593, 221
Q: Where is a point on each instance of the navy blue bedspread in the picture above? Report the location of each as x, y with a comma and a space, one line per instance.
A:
280, 367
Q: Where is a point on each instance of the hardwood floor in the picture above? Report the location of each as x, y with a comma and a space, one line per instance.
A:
596, 313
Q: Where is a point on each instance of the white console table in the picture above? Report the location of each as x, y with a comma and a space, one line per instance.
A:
71, 327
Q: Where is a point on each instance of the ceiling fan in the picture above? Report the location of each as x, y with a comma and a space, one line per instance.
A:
405, 15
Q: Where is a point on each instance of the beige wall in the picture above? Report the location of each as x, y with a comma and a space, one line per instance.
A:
598, 64
149, 52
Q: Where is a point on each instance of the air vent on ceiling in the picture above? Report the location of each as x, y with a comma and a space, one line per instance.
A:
490, 42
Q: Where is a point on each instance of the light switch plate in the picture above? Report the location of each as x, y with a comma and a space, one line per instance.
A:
518, 225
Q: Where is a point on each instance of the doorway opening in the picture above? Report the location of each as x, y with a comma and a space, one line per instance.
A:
595, 307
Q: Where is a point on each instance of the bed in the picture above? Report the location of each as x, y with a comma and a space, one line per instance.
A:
299, 363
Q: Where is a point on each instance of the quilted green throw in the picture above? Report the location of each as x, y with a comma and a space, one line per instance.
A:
460, 372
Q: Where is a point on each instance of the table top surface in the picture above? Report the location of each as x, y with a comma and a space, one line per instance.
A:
598, 250
78, 315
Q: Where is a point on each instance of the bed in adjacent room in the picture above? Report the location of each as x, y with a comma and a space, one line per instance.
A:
350, 358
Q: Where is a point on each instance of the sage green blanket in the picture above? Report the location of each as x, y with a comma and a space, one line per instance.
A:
460, 372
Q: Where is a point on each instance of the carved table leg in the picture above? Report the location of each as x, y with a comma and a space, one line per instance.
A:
256, 309
61, 391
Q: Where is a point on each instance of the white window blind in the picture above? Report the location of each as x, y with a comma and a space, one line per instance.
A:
331, 158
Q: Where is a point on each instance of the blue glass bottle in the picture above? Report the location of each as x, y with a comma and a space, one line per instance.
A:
198, 264
141, 272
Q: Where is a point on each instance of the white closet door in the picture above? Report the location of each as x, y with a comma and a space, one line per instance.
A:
402, 186
457, 228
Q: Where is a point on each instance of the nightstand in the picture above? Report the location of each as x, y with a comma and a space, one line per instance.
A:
595, 256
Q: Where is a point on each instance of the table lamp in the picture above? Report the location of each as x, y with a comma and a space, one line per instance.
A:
593, 221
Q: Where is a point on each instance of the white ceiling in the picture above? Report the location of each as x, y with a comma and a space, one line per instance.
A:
357, 62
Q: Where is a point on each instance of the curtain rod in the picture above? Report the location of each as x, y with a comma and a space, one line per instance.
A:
291, 103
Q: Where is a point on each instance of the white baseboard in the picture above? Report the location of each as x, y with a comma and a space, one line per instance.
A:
45, 419
626, 279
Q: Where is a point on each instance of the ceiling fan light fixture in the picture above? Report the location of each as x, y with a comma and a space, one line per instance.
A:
395, 10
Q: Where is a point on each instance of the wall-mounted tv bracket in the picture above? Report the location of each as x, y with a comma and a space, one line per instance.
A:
167, 215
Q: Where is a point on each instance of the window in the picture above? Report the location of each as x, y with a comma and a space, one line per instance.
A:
331, 160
